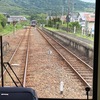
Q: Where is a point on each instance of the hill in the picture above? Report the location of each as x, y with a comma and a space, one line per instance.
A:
20, 7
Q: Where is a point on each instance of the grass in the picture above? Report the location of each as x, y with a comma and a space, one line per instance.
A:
52, 29
7, 29
76, 34
10, 28
84, 36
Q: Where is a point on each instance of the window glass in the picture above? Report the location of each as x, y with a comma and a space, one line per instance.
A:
52, 71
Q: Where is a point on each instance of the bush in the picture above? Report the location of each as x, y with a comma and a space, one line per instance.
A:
73, 24
1, 28
3, 20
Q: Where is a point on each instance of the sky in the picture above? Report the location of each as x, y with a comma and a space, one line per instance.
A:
93, 1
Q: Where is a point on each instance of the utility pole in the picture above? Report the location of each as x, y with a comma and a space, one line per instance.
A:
73, 4
63, 3
62, 13
69, 5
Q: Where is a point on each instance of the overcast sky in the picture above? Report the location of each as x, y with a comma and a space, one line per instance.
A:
93, 1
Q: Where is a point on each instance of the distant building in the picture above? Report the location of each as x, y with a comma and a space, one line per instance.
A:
87, 21
63, 18
16, 18
74, 17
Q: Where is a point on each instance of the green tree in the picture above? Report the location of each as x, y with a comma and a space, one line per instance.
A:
3, 20
50, 23
33, 17
73, 24
41, 18
54, 22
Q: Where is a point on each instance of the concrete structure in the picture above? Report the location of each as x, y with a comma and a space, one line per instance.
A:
81, 46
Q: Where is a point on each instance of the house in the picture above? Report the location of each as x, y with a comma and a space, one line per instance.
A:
16, 18
90, 19
63, 18
87, 21
74, 17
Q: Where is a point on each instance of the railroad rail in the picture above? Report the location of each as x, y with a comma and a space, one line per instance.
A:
22, 50
83, 70
24, 63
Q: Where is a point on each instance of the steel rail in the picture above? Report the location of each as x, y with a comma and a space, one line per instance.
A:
15, 50
14, 53
85, 82
26, 63
70, 52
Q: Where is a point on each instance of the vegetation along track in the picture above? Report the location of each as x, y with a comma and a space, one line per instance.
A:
83, 70
18, 62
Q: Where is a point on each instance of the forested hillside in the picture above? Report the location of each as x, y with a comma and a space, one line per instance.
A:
20, 7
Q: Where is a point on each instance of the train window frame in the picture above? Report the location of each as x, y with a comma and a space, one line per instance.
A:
96, 73
96, 66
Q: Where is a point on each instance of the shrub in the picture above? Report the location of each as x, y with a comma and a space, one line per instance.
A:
3, 20
1, 28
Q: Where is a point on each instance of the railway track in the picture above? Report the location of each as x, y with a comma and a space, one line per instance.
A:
37, 72
83, 70
18, 62
45, 71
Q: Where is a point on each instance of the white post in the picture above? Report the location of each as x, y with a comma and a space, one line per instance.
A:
62, 14
74, 29
49, 53
61, 87
82, 31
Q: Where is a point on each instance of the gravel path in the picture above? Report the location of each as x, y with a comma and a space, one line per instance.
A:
46, 71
